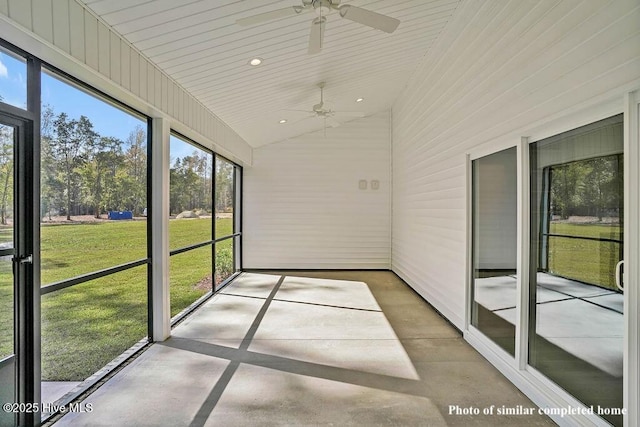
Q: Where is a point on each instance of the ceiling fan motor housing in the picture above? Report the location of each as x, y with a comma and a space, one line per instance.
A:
321, 3
324, 6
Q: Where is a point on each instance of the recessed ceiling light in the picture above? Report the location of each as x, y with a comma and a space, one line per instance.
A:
283, 121
255, 62
359, 99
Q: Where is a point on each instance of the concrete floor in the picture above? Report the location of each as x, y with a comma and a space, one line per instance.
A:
53, 390
329, 348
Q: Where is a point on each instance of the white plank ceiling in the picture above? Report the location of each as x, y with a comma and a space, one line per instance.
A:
199, 44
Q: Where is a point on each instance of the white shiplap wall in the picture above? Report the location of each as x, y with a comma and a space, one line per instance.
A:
67, 35
500, 71
303, 207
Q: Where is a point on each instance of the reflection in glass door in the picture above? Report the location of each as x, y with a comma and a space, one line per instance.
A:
494, 290
576, 309
7, 292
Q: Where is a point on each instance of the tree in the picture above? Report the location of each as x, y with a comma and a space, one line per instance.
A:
104, 157
601, 192
6, 171
70, 144
185, 183
224, 186
590, 187
565, 180
48, 183
135, 165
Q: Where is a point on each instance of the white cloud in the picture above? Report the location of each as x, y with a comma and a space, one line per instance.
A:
3, 70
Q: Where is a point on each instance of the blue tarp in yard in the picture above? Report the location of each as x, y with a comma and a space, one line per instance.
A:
120, 215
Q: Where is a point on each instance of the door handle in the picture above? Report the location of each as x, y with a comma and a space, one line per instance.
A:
619, 281
26, 259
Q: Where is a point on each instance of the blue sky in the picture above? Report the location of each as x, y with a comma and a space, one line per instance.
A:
13, 81
107, 120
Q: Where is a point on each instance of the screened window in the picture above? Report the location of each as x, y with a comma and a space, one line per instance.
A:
93, 230
203, 225
191, 222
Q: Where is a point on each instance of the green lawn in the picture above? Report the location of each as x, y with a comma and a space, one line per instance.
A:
85, 326
585, 260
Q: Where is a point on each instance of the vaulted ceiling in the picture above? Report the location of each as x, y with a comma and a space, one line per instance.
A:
199, 44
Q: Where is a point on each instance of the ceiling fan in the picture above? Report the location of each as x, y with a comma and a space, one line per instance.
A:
323, 7
323, 111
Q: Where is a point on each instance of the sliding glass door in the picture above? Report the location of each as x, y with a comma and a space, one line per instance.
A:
576, 324
494, 290
547, 239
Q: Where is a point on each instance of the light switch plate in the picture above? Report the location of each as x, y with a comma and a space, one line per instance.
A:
375, 184
362, 184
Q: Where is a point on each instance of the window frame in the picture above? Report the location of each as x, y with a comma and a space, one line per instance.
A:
235, 235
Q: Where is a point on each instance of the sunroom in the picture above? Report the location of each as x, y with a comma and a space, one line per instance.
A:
159, 158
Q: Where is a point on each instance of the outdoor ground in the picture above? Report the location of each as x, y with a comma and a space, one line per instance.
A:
588, 261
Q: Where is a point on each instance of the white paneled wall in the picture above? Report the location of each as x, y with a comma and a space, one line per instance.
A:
303, 207
65, 34
500, 71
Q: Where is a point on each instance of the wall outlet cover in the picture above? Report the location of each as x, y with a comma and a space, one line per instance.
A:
362, 184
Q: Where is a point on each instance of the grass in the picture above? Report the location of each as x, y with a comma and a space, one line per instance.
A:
85, 326
71, 250
186, 272
588, 261
6, 308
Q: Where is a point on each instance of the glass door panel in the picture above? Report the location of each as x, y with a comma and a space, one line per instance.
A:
7, 287
493, 309
577, 311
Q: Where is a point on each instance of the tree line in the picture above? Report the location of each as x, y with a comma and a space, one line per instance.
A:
85, 173
590, 187
194, 186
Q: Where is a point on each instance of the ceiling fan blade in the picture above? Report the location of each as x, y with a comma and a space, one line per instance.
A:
301, 111
270, 16
303, 119
333, 122
349, 113
316, 37
369, 18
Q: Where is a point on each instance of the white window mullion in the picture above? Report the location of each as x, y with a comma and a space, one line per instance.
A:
522, 307
632, 259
